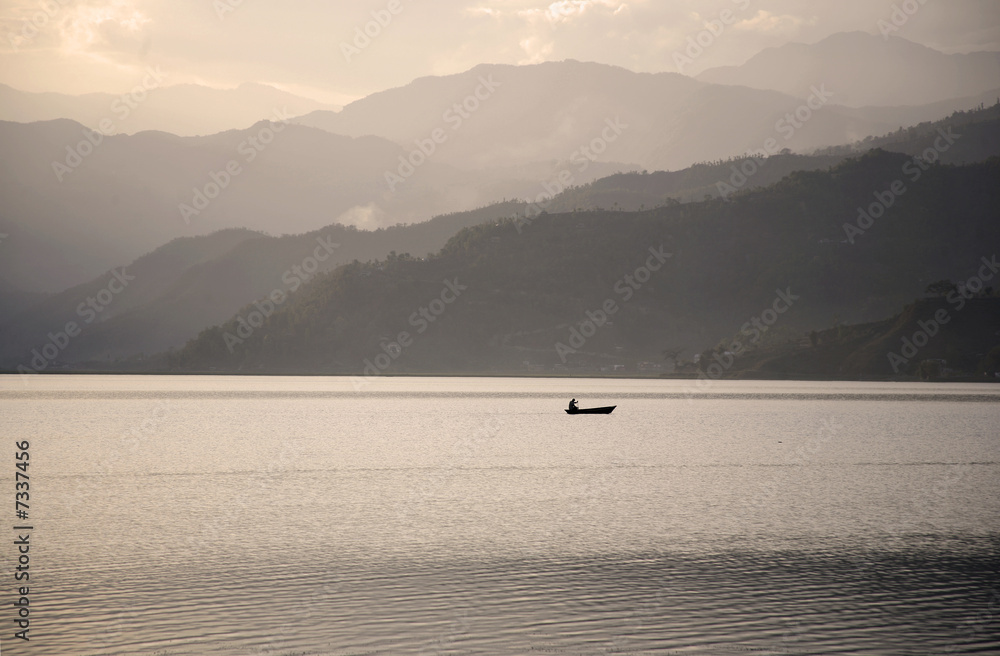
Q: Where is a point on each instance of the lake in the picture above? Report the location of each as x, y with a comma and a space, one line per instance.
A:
247, 515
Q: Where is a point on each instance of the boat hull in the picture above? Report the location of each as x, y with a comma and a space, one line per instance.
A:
592, 411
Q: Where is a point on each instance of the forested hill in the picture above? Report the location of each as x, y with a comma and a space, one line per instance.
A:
193, 282
516, 290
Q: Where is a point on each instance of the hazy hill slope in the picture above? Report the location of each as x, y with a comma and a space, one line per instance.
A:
182, 109
962, 341
525, 290
123, 199
976, 134
865, 70
554, 109
13, 299
210, 292
170, 320
134, 286
189, 283
885, 349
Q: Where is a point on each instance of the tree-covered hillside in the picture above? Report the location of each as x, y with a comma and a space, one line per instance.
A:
794, 257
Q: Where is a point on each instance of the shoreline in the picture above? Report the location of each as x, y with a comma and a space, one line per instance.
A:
683, 376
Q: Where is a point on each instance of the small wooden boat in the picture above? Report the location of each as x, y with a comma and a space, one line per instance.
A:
606, 410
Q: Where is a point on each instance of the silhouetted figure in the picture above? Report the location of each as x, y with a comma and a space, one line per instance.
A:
573, 406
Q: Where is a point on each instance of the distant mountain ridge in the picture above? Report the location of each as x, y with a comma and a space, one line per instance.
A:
71, 216
978, 139
865, 70
172, 300
557, 109
176, 290
437, 145
182, 109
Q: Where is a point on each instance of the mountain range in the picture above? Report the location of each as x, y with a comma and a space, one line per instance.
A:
866, 70
131, 193
192, 282
583, 290
156, 104
528, 113
557, 149
178, 289
80, 208
663, 121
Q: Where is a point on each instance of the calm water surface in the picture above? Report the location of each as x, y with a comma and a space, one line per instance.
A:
223, 516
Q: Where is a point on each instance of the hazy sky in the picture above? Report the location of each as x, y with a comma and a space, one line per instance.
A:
82, 46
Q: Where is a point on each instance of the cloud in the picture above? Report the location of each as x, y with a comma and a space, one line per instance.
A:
543, 28
363, 217
764, 22
482, 11
536, 48
555, 13
566, 10
78, 28
98, 45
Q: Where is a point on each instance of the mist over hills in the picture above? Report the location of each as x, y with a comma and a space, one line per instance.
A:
533, 112
976, 132
866, 70
660, 121
525, 291
148, 278
125, 196
525, 127
155, 104
568, 139
191, 282
194, 282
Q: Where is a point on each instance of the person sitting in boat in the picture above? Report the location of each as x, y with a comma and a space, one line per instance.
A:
572, 405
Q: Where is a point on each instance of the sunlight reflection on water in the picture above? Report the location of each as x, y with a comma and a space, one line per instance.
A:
203, 515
